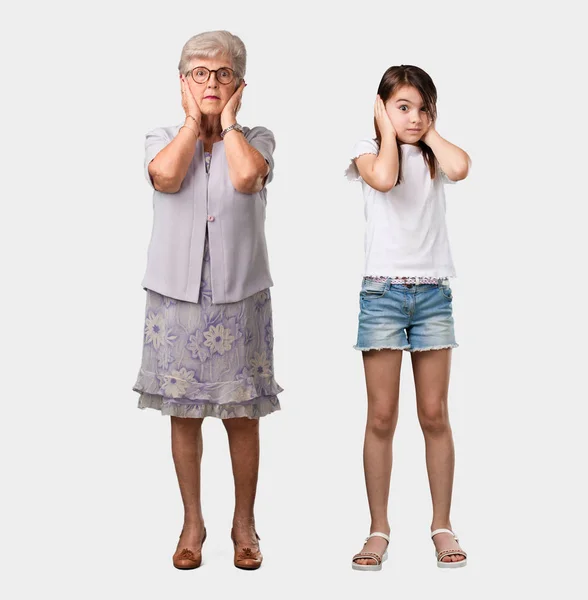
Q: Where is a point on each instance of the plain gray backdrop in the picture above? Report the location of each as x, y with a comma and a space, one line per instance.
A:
90, 500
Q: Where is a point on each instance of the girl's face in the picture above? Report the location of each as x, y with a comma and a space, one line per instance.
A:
408, 115
212, 95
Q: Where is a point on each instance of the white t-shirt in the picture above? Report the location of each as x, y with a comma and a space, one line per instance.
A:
406, 232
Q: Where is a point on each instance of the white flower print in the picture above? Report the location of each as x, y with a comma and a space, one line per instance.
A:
261, 298
245, 375
240, 395
246, 378
260, 365
218, 339
164, 358
155, 330
176, 384
169, 338
234, 327
195, 347
200, 390
248, 337
208, 359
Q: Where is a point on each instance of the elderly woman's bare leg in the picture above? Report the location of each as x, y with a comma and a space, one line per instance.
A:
244, 445
187, 453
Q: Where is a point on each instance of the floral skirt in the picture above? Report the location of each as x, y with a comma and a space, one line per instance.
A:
208, 359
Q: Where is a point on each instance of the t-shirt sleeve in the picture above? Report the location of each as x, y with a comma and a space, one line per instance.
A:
362, 147
263, 141
155, 141
444, 177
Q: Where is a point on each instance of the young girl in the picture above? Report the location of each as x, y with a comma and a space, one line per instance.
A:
406, 299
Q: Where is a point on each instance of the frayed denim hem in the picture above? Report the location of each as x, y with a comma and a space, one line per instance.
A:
434, 348
381, 348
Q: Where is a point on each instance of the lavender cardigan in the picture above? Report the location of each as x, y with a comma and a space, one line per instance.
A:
235, 223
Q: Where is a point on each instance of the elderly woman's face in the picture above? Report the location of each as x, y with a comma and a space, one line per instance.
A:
212, 95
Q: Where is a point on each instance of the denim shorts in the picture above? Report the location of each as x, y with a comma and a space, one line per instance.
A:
405, 317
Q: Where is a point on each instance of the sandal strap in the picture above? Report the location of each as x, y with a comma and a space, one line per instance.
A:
445, 553
368, 555
434, 533
378, 534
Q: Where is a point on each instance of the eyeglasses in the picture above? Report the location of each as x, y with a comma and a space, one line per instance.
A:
224, 75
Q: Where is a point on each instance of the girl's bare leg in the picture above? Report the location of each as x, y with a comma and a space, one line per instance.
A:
382, 373
431, 376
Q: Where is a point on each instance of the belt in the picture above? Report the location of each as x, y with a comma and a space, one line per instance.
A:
410, 281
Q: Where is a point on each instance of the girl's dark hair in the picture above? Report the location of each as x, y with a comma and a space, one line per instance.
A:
403, 75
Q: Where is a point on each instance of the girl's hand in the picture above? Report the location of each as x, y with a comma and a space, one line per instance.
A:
382, 119
431, 131
229, 114
189, 102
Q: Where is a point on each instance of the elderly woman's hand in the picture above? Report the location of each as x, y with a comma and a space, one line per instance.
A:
189, 102
229, 114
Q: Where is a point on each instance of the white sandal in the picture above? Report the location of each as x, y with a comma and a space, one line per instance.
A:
371, 555
441, 555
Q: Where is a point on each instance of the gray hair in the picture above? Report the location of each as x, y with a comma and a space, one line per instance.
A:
211, 44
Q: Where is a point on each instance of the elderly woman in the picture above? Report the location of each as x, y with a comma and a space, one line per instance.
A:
208, 344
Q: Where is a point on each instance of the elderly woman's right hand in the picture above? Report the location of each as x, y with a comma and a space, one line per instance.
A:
188, 101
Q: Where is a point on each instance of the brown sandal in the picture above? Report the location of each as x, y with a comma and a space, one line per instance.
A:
186, 559
247, 558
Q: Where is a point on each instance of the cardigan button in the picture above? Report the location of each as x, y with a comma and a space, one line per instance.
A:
210, 218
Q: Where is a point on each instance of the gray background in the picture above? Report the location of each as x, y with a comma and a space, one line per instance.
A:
90, 501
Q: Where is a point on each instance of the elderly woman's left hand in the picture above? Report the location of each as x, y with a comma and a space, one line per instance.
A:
229, 114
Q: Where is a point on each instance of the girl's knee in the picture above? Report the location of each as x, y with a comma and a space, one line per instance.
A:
382, 422
433, 418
